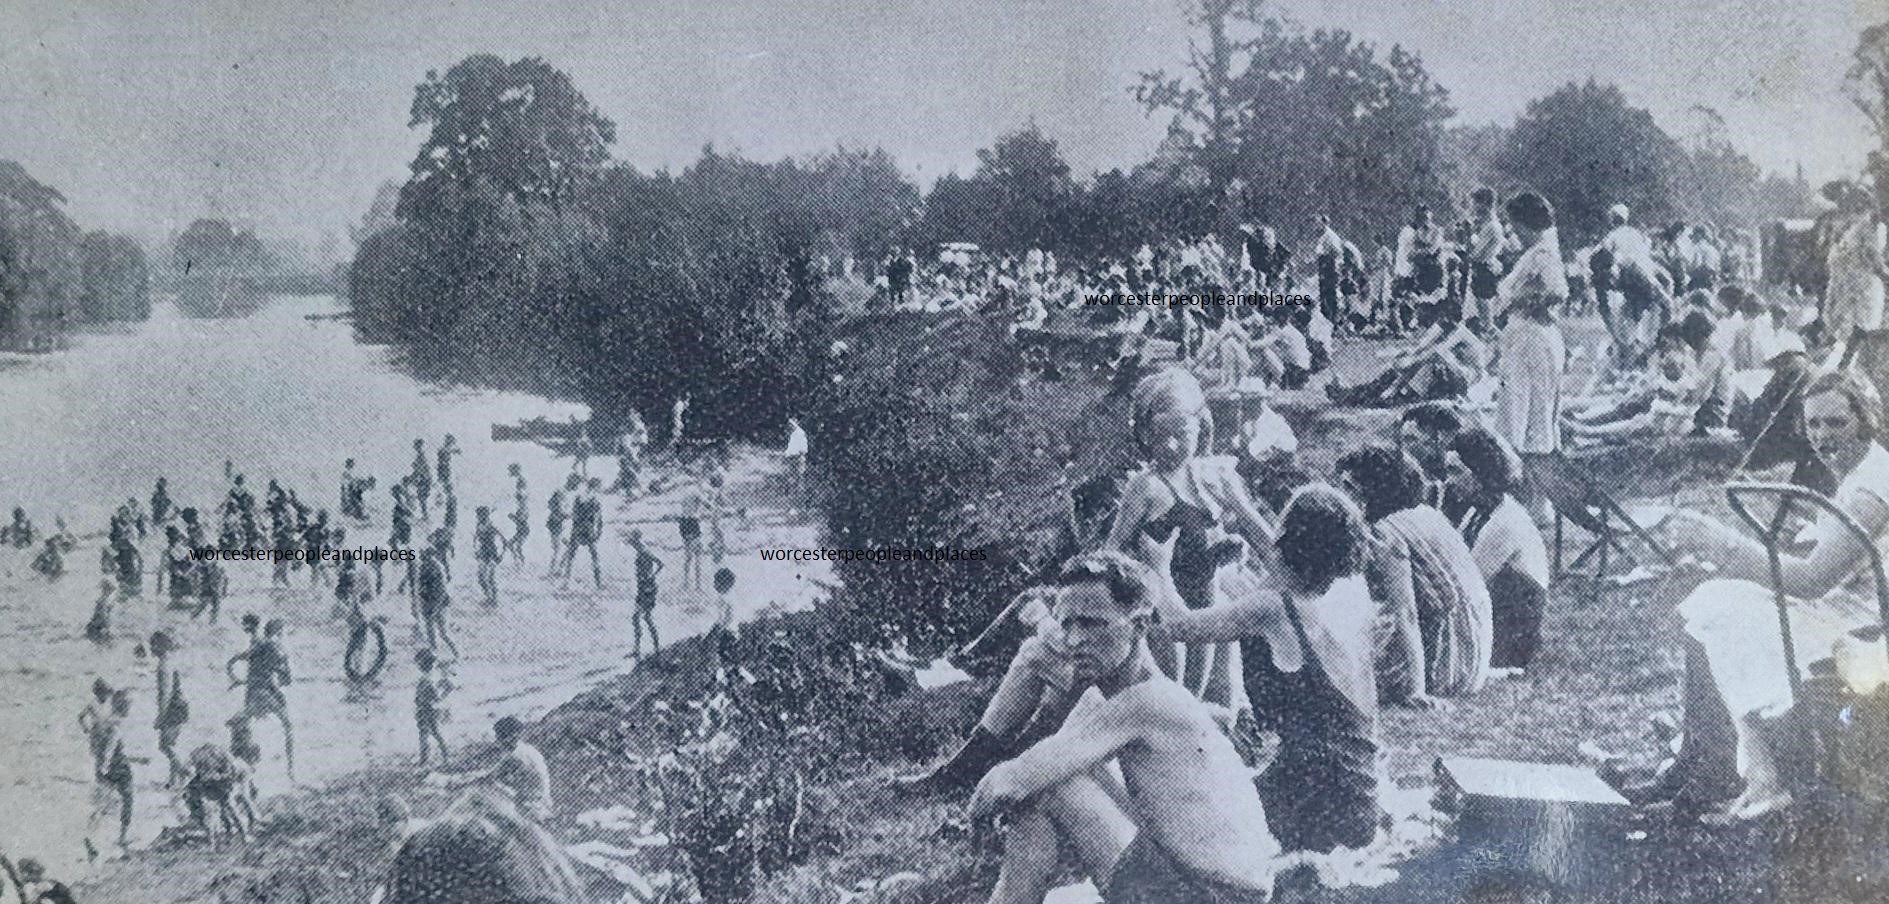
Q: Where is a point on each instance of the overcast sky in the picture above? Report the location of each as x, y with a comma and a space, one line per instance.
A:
288, 114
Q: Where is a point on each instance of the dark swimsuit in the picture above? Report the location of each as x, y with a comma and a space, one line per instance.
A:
1193, 564
1321, 791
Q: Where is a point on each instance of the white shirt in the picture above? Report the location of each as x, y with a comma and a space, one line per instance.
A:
1329, 243
1511, 537
1490, 241
1626, 243
1268, 435
1406, 246
1538, 272
524, 773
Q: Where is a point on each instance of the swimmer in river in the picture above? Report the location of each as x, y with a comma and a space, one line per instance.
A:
689, 527
647, 568
263, 681
521, 518
448, 448
426, 707
282, 534
351, 590
94, 719
113, 788
724, 582
241, 508
195, 534
581, 448
421, 477
555, 516
717, 503
434, 599
210, 583
347, 488
173, 543
173, 709
586, 528
487, 549
137, 517
33, 887
314, 540
401, 536
19, 534
51, 561
218, 780
448, 523
162, 509
99, 629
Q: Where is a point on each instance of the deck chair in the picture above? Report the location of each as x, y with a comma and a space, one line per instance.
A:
1840, 734
1578, 499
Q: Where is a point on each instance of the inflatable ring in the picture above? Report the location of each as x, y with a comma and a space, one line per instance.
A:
357, 645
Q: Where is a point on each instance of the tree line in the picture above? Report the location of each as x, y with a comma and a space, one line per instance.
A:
518, 254
54, 274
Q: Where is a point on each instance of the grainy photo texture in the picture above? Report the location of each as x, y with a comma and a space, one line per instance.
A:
1011, 451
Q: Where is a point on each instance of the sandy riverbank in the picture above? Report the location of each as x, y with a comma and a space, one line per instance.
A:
544, 646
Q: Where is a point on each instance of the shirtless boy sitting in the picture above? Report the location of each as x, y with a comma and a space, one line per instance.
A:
1180, 821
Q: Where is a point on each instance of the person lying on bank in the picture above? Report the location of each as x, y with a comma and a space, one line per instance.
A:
1180, 823
1690, 392
1447, 360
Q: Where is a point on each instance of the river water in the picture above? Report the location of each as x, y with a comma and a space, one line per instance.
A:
283, 397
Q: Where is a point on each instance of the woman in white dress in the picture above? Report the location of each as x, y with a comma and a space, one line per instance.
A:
1528, 412
1735, 651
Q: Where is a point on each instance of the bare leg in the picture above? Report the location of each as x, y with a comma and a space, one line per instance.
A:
446, 637
596, 570
1080, 813
288, 743
1029, 861
124, 815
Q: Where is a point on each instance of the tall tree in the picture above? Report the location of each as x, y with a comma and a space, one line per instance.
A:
1867, 84
1019, 198
1289, 123
39, 255
1585, 148
499, 131
1210, 99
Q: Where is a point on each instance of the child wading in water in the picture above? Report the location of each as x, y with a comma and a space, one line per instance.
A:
486, 545
647, 567
427, 711
173, 710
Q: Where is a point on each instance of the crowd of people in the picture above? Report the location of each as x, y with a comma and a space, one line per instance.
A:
1236, 593
214, 781
1225, 592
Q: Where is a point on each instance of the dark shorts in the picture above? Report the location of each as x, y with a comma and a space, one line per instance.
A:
263, 701
1147, 874
1482, 281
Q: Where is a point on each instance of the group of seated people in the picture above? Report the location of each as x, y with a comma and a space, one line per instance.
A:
1414, 572
1202, 615
1705, 371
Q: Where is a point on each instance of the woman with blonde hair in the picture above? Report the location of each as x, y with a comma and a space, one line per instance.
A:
1178, 500
1199, 502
